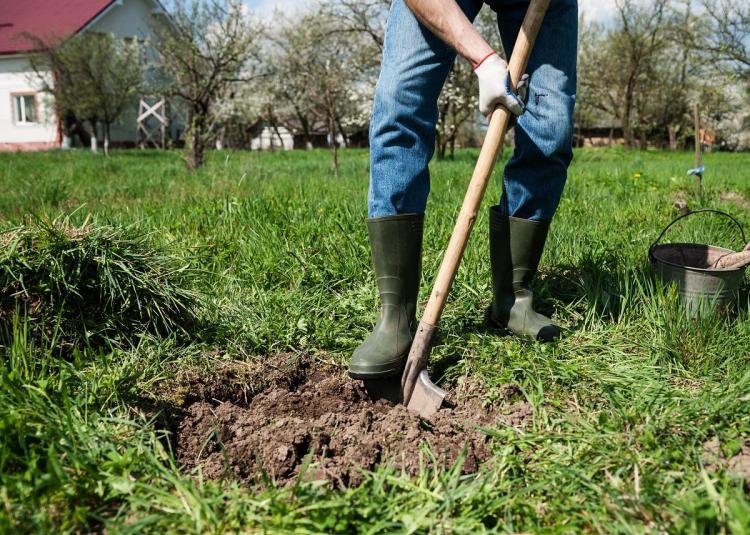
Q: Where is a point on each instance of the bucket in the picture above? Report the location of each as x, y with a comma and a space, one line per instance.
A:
701, 288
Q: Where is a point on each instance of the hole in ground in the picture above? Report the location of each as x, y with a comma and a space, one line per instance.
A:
301, 417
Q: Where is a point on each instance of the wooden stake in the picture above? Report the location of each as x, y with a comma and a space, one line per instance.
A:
698, 151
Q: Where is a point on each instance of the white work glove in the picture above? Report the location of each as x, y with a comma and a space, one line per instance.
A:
495, 88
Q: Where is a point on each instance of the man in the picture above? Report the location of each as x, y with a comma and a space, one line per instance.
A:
421, 42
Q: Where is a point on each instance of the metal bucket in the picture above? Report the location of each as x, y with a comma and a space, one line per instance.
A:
701, 288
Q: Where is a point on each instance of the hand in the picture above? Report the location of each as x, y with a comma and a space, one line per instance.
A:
495, 87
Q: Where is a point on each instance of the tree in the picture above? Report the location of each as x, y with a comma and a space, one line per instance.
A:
209, 47
318, 81
457, 104
729, 28
642, 72
91, 76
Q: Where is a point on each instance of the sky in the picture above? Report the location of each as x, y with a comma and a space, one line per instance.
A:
599, 10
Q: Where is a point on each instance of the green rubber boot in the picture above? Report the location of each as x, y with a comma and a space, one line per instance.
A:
516, 247
396, 243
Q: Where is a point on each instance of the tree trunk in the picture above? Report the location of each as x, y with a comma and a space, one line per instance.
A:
195, 146
106, 139
453, 147
278, 134
627, 112
334, 145
305, 128
220, 139
94, 140
332, 131
341, 131
440, 144
672, 133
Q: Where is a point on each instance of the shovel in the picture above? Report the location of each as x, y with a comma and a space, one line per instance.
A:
418, 392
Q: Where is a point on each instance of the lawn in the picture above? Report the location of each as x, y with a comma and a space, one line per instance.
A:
641, 417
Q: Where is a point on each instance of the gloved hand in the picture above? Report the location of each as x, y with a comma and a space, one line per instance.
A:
495, 88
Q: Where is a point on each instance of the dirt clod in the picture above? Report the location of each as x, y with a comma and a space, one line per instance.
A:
738, 465
322, 425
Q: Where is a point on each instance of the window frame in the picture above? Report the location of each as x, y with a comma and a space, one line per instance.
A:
22, 94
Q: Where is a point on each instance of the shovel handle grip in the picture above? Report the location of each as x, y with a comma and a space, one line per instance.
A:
493, 142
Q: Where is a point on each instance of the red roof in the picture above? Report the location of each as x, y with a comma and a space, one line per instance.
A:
43, 18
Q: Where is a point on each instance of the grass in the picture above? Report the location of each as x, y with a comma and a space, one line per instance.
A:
97, 283
623, 405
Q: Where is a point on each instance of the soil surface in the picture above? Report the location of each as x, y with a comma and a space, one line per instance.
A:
738, 465
305, 420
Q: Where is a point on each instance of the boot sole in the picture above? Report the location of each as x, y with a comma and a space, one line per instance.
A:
385, 374
546, 335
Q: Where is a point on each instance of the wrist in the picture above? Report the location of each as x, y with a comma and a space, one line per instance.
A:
475, 64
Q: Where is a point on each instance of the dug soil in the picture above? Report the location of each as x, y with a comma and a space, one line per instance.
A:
293, 418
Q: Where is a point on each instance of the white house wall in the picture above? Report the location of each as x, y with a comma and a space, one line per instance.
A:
268, 140
125, 18
17, 77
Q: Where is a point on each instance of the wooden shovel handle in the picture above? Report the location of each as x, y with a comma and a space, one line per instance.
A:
493, 142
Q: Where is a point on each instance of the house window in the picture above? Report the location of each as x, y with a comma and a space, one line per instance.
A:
24, 109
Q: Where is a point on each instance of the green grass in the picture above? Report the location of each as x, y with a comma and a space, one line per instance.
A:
622, 405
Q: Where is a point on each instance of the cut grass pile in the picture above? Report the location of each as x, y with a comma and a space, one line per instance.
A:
92, 283
640, 420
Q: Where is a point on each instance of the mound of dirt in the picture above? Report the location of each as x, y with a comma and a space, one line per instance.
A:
318, 423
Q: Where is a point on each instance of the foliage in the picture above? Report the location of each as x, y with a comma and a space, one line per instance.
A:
100, 283
320, 79
648, 71
623, 405
92, 77
207, 48
729, 26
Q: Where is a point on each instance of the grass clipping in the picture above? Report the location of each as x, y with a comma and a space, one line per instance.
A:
93, 283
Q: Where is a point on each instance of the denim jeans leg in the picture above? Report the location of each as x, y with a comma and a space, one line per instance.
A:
535, 176
402, 130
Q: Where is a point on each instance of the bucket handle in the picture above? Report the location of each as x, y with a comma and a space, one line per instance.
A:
663, 232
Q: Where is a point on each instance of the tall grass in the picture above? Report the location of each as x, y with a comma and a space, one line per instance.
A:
97, 282
623, 404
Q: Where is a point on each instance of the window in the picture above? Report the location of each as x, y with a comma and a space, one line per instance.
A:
24, 108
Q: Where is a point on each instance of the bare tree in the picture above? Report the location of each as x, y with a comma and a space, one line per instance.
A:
457, 105
209, 46
616, 65
729, 31
318, 81
366, 17
93, 77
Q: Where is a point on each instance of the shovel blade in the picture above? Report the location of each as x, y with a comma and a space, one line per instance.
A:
427, 397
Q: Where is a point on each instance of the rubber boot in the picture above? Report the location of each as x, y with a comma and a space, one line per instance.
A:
516, 247
396, 243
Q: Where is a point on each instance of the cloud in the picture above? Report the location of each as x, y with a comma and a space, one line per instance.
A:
598, 10
265, 8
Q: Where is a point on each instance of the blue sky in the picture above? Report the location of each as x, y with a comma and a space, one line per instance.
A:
599, 10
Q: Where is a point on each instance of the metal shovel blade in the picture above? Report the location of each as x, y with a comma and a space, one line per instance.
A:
427, 397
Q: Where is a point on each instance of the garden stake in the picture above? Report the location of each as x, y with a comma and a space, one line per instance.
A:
418, 392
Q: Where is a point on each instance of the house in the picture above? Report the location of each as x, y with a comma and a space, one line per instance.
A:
27, 118
264, 136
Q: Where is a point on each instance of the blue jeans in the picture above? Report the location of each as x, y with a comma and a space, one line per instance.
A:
415, 66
